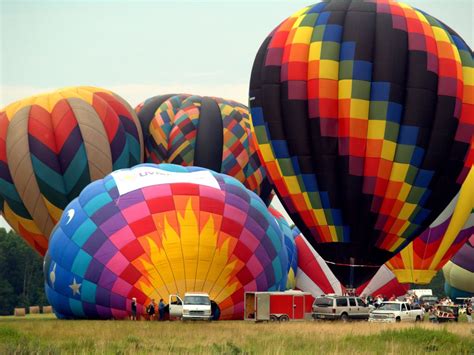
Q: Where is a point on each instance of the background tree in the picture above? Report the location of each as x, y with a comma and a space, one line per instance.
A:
21, 274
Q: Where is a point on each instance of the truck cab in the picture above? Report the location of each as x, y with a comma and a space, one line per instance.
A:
396, 312
193, 306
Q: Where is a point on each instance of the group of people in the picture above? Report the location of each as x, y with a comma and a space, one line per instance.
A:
152, 310
411, 299
414, 302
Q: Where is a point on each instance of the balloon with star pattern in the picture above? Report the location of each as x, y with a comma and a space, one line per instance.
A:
156, 230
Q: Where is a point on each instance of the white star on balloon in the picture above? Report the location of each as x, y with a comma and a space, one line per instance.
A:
52, 275
75, 287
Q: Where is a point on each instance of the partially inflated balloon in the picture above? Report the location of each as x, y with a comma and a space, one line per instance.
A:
313, 274
459, 272
290, 247
53, 145
383, 283
156, 230
209, 132
420, 260
363, 113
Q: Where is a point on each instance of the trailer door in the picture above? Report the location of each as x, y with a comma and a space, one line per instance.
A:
298, 307
263, 306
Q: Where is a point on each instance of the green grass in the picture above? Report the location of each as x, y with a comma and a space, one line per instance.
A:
48, 335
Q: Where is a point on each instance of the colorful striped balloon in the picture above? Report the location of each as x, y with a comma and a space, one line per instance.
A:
383, 283
290, 247
156, 230
363, 113
420, 260
53, 145
209, 132
313, 274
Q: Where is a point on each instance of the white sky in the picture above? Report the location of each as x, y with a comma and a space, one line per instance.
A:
144, 48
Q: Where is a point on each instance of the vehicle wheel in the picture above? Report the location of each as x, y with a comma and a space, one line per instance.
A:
284, 318
418, 319
344, 317
273, 318
398, 320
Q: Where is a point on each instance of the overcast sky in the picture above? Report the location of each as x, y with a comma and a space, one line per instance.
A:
144, 48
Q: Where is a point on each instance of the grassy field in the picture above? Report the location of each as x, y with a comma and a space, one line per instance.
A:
44, 334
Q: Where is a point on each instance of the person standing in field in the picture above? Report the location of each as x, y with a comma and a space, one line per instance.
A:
469, 312
151, 310
134, 309
161, 309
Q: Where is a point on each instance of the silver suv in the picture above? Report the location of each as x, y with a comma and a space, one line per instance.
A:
340, 307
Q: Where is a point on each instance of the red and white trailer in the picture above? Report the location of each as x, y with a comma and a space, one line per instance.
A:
278, 306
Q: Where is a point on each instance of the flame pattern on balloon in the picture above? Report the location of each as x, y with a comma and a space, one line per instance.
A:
52, 145
209, 132
179, 230
363, 113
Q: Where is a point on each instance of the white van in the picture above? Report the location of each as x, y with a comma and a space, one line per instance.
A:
421, 292
194, 306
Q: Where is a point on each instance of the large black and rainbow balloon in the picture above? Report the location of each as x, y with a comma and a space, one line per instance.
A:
156, 230
53, 145
363, 112
209, 132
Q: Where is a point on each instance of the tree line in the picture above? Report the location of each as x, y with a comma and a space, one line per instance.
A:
21, 274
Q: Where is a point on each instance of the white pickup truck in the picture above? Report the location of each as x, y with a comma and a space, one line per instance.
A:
391, 312
194, 306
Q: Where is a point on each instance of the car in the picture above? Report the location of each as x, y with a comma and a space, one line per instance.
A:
194, 306
340, 307
396, 311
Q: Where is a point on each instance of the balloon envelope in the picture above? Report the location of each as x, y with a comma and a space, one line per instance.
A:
313, 274
156, 230
363, 115
459, 272
383, 283
420, 260
53, 145
209, 132
290, 247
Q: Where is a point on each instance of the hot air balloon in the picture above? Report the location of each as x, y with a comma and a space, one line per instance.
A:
420, 260
209, 132
363, 115
313, 274
383, 283
156, 230
290, 247
459, 272
53, 145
